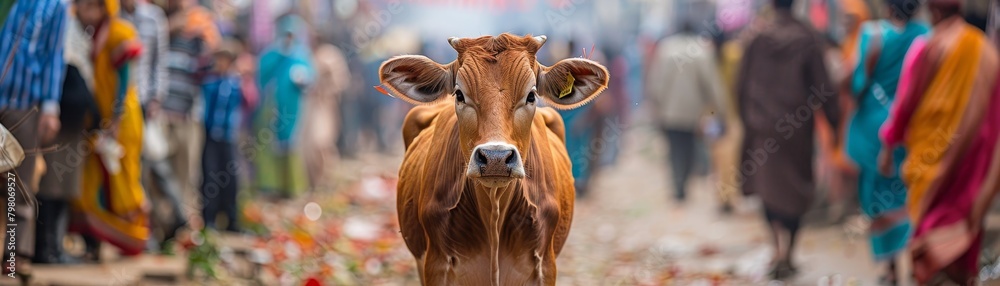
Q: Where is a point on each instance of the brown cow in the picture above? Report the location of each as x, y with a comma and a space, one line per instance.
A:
485, 194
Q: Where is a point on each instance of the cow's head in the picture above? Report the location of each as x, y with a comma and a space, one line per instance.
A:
496, 84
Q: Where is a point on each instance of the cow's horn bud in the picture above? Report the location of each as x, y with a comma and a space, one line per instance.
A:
541, 39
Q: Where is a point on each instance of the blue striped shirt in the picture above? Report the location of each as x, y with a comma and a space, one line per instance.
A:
31, 48
223, 104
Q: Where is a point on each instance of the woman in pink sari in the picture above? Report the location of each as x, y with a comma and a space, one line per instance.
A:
947, 115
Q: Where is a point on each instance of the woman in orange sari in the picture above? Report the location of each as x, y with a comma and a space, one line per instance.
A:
112, 206
947, 115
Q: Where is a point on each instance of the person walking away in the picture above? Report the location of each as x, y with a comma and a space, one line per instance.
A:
947, 116
783, 81
193, 39
881, 49
684, 85
60, 184
285, 75
224, 104
32, 55
112, 205
321, 115
151, 80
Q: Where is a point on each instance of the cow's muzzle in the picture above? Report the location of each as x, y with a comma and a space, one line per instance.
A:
496, 161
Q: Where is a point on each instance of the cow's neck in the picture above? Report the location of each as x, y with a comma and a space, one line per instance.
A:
493, 209
495, 206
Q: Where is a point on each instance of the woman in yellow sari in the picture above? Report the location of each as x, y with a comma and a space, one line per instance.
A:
947, 115
112, 206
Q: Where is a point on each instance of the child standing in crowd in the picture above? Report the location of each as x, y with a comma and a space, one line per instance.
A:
224, 105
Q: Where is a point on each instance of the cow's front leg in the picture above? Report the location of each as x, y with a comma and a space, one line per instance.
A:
549, 270
545, 268
439, 261
439, 269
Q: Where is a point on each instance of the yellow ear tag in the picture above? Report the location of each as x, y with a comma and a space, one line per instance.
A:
569, 87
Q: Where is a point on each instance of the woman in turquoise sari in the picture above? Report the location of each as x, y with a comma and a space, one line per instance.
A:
881, 49
285, 75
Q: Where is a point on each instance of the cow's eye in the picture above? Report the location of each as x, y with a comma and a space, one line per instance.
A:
531, 96
459, 96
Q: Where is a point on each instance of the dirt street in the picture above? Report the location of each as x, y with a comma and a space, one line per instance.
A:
632, 233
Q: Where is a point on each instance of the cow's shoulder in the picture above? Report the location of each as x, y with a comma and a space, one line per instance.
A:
418, 119
553, 173
418, 174
553, 121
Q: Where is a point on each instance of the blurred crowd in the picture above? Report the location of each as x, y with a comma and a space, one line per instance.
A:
140, 118
885, 107
143, 118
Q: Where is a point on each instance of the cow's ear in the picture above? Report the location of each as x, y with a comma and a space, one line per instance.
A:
416, 79
571, 83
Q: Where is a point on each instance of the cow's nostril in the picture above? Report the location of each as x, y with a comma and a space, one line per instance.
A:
495, 161
481, 157
510, 158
